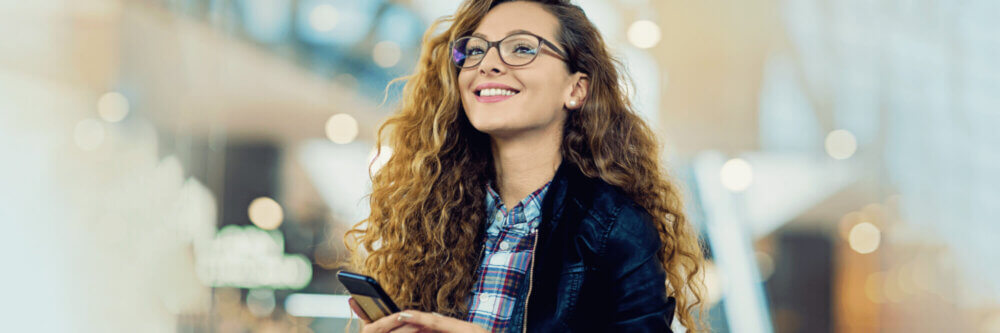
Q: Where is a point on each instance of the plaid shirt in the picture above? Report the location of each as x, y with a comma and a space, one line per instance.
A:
506, 259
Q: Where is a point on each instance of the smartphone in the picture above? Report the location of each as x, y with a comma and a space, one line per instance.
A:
369, 295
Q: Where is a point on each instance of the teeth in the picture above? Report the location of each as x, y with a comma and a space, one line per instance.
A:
496, 92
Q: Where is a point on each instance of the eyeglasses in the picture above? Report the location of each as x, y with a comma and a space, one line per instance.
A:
515, 50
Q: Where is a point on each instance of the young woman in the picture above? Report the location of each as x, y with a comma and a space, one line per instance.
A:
523, 192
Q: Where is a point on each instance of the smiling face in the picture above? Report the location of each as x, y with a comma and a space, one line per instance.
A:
503, 100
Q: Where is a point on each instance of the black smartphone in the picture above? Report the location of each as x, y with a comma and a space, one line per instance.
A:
369, 295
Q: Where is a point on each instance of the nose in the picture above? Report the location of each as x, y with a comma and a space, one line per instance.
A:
491, 63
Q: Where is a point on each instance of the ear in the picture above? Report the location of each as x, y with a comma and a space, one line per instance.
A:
578, 91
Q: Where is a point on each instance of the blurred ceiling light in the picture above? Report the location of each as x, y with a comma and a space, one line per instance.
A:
112, 107
736, 175
386, 54
841, 144
265, 213
378, 161
644, 34
341, 128
323, 17
318, 306
864, 238
88, 134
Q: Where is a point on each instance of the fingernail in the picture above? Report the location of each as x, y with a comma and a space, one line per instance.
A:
404, 316
437, 314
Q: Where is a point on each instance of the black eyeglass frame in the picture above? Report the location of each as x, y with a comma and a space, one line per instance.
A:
496, 44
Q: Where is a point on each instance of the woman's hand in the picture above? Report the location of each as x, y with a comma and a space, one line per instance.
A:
413, 321
433, 322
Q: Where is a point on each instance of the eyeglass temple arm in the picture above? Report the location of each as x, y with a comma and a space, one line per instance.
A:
556, 49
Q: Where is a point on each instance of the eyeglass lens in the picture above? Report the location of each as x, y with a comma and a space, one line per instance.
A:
515, 50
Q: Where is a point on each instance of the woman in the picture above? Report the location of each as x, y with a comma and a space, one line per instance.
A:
523, 192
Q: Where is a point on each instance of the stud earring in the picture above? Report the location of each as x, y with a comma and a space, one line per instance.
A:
572, 104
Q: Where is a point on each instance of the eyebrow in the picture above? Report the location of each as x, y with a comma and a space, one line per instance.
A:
512, 32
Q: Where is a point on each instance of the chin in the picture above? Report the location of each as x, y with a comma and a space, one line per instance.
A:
488, 127
494, 121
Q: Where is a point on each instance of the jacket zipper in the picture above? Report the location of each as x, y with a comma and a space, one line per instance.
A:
531, 281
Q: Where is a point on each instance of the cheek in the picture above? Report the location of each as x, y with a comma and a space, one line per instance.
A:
546, 93
464, 78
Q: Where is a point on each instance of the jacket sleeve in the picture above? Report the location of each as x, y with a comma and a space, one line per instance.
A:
638, 291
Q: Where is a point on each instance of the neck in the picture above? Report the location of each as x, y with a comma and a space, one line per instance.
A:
524, 163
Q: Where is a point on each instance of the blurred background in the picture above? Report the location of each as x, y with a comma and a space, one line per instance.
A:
191, 165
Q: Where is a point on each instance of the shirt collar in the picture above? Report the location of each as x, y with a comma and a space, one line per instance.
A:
531, 203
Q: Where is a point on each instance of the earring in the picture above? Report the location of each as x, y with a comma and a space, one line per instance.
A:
572, 104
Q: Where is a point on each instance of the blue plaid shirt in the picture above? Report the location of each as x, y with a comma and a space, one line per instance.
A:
507, 256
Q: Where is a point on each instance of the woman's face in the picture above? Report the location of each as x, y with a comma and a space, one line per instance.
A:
541, 88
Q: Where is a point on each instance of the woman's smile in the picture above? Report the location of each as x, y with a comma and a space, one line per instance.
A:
494, 92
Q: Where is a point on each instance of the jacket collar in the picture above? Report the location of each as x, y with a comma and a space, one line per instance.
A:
565, 184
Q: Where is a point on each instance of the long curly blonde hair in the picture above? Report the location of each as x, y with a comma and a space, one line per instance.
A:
421, 240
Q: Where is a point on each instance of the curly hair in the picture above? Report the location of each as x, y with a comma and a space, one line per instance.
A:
427, 209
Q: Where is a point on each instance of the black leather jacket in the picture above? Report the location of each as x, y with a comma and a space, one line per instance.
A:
595, 267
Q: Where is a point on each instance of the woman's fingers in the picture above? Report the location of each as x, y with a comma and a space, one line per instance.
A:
357, 310
383, 325
411, 321
437, 323
409, 328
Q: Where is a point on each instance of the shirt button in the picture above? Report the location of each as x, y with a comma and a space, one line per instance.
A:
504, 245
483, 297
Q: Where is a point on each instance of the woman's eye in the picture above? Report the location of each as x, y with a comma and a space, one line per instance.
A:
524, 49
473, 51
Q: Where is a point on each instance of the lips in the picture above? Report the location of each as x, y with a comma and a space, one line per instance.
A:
494, 92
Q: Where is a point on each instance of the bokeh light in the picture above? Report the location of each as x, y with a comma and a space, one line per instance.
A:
841, 144
644, 34
341, 128
261, 302
265, 213
736, 175
864, 238
112, 107
386, 54
323, 17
